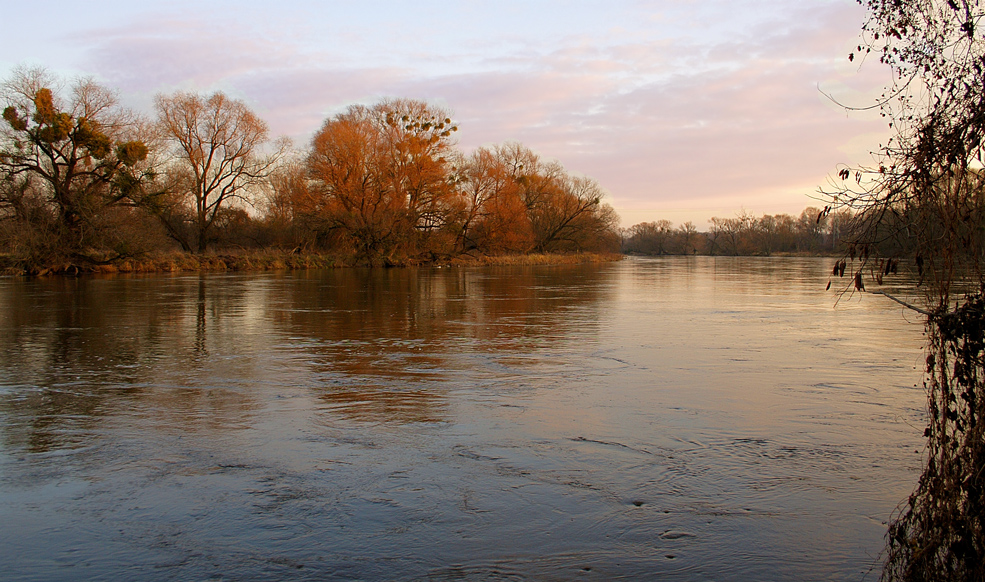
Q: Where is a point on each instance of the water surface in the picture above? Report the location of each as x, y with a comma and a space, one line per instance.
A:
672, 419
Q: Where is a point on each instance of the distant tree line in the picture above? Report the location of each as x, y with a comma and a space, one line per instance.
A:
815, 231
84, 180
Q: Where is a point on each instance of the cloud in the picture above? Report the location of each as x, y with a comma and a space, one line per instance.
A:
177, 53
714, 112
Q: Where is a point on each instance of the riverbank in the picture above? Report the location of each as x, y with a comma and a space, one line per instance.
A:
278, 261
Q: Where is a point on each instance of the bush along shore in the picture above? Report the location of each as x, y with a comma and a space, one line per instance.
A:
277, 261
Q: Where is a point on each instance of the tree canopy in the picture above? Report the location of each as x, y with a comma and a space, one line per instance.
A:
216, 145
83, 179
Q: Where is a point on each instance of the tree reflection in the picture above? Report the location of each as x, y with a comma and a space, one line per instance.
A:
382, 403
207, 352
391, 340
200, 320
74, 351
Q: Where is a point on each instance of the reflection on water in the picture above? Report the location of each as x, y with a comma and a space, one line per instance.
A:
683, 418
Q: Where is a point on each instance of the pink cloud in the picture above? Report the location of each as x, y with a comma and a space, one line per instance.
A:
659, 122
178, 53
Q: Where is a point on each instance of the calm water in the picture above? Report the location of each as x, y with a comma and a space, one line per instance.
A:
670, 419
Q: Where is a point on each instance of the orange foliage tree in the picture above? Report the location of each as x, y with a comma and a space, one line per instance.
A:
380, 180
386, 184
565, 212
494, 218
290, 208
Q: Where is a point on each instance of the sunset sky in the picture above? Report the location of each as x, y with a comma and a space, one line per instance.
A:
681, 109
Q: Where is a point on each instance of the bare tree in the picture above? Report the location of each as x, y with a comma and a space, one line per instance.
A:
924, 202
217, 143
811, 225
687, 236
767, 233
651, 238
730, 234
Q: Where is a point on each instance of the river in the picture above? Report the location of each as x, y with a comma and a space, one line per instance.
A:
675, 419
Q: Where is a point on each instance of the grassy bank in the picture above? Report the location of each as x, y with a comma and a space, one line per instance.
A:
273, 261
535, 259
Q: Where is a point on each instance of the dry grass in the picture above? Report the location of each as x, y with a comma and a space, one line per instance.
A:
536, 259
260, 261
274, 261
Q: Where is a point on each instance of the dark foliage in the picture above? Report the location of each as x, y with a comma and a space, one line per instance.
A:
925, 201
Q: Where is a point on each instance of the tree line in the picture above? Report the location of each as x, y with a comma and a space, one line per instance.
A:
815, 231
82, 179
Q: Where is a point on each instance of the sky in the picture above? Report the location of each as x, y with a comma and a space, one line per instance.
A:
680, 109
